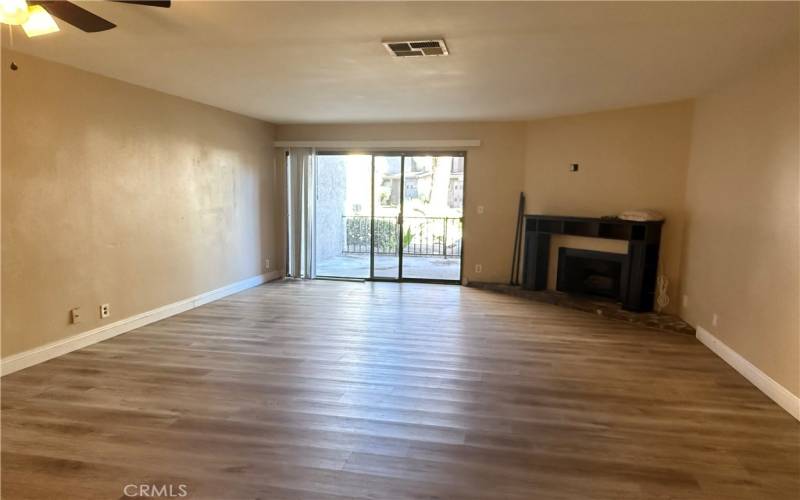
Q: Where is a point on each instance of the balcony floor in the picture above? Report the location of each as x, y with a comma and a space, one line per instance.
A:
414, 266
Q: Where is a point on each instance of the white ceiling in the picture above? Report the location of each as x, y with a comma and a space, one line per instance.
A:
323, 62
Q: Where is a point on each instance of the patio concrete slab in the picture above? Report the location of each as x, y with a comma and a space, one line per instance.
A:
414, 266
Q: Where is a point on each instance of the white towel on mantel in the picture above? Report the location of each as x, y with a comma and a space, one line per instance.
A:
641, 215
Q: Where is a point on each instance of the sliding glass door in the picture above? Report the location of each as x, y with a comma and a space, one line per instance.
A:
433, 196
343, 217
392, 216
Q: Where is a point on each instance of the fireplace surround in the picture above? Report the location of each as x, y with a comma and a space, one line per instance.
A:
638, 268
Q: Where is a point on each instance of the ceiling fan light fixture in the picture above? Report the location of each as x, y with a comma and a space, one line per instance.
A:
13, 12
39, 22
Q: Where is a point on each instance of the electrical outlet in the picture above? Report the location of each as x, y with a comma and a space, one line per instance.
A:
266, 264
478, 268
573, 167
480, 209
75, 315
714, 319
105, 311
685, 300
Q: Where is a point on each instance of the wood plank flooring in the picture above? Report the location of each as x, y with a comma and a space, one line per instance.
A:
323, 390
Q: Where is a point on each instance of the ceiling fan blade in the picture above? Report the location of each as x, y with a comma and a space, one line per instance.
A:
74, 15
150, 3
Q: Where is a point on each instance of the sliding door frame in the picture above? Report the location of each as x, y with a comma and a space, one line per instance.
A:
372, 276
403, 154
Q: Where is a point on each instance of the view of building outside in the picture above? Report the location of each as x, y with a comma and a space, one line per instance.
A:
432, 210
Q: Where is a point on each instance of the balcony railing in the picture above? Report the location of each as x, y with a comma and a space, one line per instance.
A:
423, 236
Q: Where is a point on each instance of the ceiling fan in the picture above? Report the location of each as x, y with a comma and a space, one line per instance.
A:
36, 16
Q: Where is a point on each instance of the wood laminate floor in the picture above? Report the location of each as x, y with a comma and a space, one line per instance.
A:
322, 390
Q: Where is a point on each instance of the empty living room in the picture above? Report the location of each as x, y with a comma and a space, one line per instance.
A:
400, 250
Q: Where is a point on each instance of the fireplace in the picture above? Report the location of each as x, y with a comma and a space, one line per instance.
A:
636, 283
590, 272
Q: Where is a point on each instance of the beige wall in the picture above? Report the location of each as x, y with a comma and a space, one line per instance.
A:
742, 259
629, 159
112, 193
493, 180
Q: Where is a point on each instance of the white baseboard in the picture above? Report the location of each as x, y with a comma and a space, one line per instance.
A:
16, 362
764, 382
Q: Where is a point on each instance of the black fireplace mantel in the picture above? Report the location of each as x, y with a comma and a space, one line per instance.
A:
641, 266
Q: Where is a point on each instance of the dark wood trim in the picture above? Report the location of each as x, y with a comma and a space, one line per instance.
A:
537, 257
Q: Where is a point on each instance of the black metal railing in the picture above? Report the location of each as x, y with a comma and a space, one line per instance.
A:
424, 236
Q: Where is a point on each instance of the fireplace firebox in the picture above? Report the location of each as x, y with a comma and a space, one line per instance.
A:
589, 272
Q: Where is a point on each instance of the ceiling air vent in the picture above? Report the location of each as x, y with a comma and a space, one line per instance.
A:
417, 48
